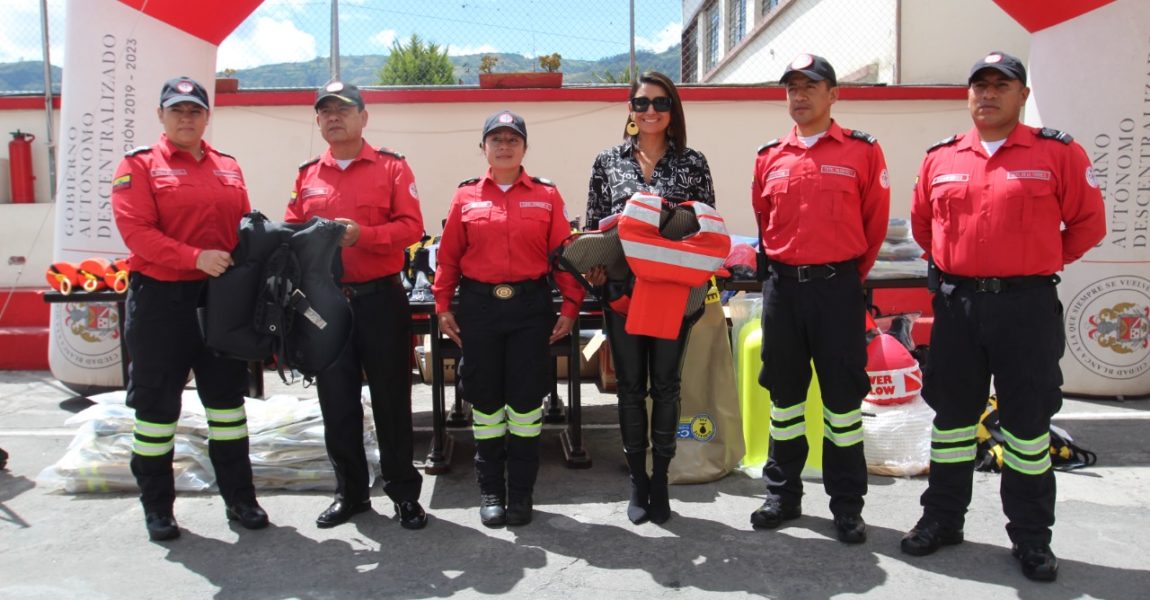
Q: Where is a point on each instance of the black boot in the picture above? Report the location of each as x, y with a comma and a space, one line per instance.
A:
638, 507
660, 507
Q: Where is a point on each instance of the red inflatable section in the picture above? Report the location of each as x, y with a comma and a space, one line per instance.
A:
1036, 16
894, 374
209, 20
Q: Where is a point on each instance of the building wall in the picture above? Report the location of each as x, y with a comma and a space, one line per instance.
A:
942, 38
441, 143
856, 36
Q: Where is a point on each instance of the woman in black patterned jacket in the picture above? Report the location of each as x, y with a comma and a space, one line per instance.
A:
653, 158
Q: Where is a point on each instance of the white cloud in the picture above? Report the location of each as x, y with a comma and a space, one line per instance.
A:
20, 31
669, 36
267, 41
465, 50
384, 38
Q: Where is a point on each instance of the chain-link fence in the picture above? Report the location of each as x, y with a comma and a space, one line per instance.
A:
752, 41
287, 43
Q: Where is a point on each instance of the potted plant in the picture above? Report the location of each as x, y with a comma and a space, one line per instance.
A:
549, 77
227, 84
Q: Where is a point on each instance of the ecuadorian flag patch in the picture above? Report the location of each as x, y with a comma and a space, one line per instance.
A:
122, 182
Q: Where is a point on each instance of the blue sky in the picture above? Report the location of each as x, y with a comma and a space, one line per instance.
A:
298, 30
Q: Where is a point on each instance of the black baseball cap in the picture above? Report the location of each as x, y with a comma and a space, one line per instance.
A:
1003, 63
505, 119
183, 89
335, 88
815, 67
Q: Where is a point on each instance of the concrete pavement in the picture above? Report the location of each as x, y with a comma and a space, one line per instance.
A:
580, 545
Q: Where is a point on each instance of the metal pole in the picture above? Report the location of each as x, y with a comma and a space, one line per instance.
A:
633, 74
51, 143
335, 39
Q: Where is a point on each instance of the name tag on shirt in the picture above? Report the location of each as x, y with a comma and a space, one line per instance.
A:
474, 205
168, 172
231, 174
837, 170
950, 178
778, 174
1029, 174
543, 205
307, 192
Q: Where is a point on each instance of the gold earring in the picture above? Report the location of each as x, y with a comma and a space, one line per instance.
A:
632, 128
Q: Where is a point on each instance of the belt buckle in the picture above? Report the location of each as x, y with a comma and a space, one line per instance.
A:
503, 291
989, 284
804, 273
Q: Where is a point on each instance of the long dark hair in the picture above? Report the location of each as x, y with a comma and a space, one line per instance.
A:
677, 130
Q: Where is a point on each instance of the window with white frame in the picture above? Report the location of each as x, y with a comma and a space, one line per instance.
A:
713, 24
736, 22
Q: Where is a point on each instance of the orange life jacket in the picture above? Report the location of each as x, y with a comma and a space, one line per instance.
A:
666, 269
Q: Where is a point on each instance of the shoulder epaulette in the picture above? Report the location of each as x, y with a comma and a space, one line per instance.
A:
466, 182
939, 144
864, 136
770, 144
137, 150
390, 152
225, 154
544, 181
1054, 134
307, 163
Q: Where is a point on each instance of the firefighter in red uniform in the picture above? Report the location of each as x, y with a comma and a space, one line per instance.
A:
500, 231
178, 206
821, 198
372, 191
999, 209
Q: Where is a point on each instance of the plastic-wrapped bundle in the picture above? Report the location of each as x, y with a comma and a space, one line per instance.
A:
898, 269
99, 462
898, 230
896, 438
901, 250
286, 445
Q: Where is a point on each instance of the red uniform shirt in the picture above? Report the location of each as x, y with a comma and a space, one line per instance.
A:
377, 191
824, 204
170, 206
494, 236
1002, 215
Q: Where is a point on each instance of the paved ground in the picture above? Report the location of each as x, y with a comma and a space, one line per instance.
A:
54, 545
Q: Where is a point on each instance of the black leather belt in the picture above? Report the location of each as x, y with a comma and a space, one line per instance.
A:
504, 291
805, 273
996, 285
367, 288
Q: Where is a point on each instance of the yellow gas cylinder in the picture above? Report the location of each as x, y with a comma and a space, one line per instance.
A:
755, 404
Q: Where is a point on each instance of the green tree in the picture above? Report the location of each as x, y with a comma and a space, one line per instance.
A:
609, 77
417, 63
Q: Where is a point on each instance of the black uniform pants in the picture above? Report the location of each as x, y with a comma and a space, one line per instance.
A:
164, 343
380, 346
640, 359
506, 373
1016, 337
823, 320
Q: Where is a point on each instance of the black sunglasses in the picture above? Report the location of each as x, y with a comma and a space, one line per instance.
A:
662, 103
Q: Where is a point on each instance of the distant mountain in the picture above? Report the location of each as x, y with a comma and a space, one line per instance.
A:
364, 70
28, 76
